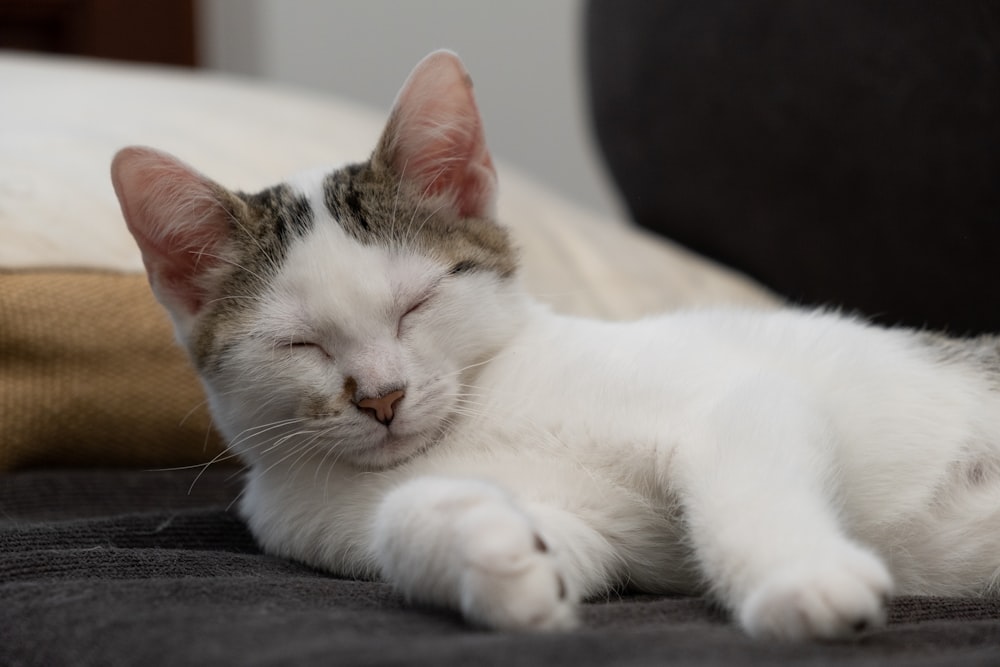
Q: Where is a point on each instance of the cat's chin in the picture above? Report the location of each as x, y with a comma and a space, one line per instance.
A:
393, 450
387, 452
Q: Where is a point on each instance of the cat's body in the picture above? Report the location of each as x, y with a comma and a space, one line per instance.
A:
408, 412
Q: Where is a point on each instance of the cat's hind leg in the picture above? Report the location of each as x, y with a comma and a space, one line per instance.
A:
466, 545
760, 484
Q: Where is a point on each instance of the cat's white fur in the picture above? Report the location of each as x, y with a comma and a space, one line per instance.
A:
800, 466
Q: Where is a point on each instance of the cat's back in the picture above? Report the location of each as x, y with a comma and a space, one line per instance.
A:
891, 393
706, 348
820, 348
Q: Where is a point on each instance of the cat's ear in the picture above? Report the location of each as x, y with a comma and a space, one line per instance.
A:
181, 222
434, 138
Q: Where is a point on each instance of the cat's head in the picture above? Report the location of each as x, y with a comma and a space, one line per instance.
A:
337, 315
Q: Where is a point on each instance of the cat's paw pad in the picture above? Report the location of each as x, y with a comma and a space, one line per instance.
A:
838, 596
511, 579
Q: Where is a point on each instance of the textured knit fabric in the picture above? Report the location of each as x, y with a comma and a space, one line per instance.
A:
90, 375
149, 568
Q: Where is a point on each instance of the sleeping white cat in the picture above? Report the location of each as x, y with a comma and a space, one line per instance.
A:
408, 412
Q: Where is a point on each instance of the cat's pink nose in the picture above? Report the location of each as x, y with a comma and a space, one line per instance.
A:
382, 407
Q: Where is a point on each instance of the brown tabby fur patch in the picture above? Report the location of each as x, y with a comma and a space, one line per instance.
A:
374, 207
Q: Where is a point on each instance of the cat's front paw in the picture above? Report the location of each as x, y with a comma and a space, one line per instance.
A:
511, 579
839, 595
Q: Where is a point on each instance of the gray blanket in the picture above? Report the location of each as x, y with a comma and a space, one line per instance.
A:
152, 568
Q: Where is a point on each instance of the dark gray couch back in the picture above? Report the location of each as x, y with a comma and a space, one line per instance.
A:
843, 152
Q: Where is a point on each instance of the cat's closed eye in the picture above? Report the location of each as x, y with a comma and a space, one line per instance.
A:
308, 347
420, 301
417, 305
462, 267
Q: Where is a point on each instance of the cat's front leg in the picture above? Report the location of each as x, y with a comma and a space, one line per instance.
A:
760, 482
464, 544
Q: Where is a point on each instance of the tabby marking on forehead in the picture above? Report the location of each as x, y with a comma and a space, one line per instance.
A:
275, 216
264, 225
375, 208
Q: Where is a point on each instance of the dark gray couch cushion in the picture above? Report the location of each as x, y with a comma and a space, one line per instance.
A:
149, 568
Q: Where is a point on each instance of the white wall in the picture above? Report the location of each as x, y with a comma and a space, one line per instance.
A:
524, 56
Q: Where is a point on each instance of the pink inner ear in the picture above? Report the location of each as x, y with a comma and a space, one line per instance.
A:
435, 137
176, 268
177, 220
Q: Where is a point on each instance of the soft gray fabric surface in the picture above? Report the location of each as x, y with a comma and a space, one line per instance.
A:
149, 568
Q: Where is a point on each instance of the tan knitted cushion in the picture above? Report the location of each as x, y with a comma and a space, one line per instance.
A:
90, 375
